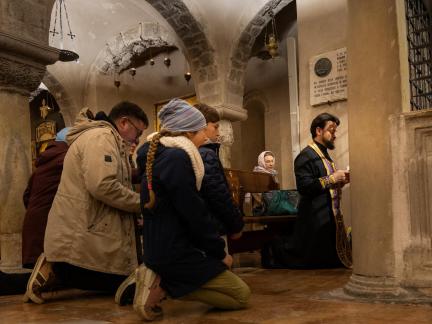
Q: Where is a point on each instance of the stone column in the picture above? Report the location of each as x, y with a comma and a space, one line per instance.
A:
226, 140
370, 105
22, 67
383, 228
228, 114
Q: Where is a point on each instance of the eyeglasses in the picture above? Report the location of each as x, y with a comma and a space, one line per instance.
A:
139, 131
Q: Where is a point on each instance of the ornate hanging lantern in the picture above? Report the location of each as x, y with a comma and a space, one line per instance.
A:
132, 72
187, 74
187, 77
270, 40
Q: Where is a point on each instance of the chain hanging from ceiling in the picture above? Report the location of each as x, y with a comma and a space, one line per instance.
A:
60, 7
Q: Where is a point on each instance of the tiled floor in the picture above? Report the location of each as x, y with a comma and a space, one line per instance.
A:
279, 296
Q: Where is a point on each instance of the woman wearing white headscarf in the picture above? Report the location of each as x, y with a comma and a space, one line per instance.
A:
266, 163
184, 254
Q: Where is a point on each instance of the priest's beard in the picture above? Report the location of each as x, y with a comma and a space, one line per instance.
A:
329, 144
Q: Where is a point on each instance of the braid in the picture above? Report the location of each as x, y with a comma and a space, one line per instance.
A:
150, 160
149, 169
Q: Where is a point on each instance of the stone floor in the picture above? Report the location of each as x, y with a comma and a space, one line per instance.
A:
279, 296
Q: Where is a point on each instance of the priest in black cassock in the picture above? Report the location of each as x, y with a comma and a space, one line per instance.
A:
320, 239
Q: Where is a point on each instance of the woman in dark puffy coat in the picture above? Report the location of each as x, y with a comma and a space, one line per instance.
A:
38, 198
215, 189
184, 255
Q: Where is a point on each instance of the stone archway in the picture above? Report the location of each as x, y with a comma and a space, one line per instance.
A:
241, 51
257, 95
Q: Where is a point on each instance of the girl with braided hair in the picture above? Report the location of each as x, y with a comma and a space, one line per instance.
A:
184, 254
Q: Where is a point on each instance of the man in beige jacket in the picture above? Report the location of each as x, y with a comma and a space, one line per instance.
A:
90, 236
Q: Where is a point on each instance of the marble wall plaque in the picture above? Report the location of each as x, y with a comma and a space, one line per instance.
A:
328, 77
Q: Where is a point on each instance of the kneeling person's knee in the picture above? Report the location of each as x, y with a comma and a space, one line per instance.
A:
243, 295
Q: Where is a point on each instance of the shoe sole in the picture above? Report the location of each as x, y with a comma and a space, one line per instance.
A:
30, 295
123, 288
142, 294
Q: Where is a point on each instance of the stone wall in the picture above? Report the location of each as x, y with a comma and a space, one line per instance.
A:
411, 147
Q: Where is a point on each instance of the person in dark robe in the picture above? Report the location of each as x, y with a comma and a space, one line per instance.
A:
317, 241
38, 197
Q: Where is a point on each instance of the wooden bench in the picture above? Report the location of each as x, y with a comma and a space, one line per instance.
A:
242, 182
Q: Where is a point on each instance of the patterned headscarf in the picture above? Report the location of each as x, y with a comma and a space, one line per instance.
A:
178, 116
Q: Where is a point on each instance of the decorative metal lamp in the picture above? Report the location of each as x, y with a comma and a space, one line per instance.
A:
65, 55
132, 72
270, 40
187, 76
117, 82
68, 56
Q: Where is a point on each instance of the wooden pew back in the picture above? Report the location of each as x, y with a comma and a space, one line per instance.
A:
242, 182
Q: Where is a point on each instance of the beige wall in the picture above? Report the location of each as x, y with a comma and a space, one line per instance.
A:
249, 136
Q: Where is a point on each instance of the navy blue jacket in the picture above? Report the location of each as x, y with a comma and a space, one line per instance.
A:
216, 193
181, 242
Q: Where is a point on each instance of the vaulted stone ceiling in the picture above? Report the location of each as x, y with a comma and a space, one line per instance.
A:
97, 23
218, 26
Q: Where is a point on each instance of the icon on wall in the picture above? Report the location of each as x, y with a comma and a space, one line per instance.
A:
45, 120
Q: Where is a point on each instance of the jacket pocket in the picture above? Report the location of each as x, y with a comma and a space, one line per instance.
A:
97, 220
